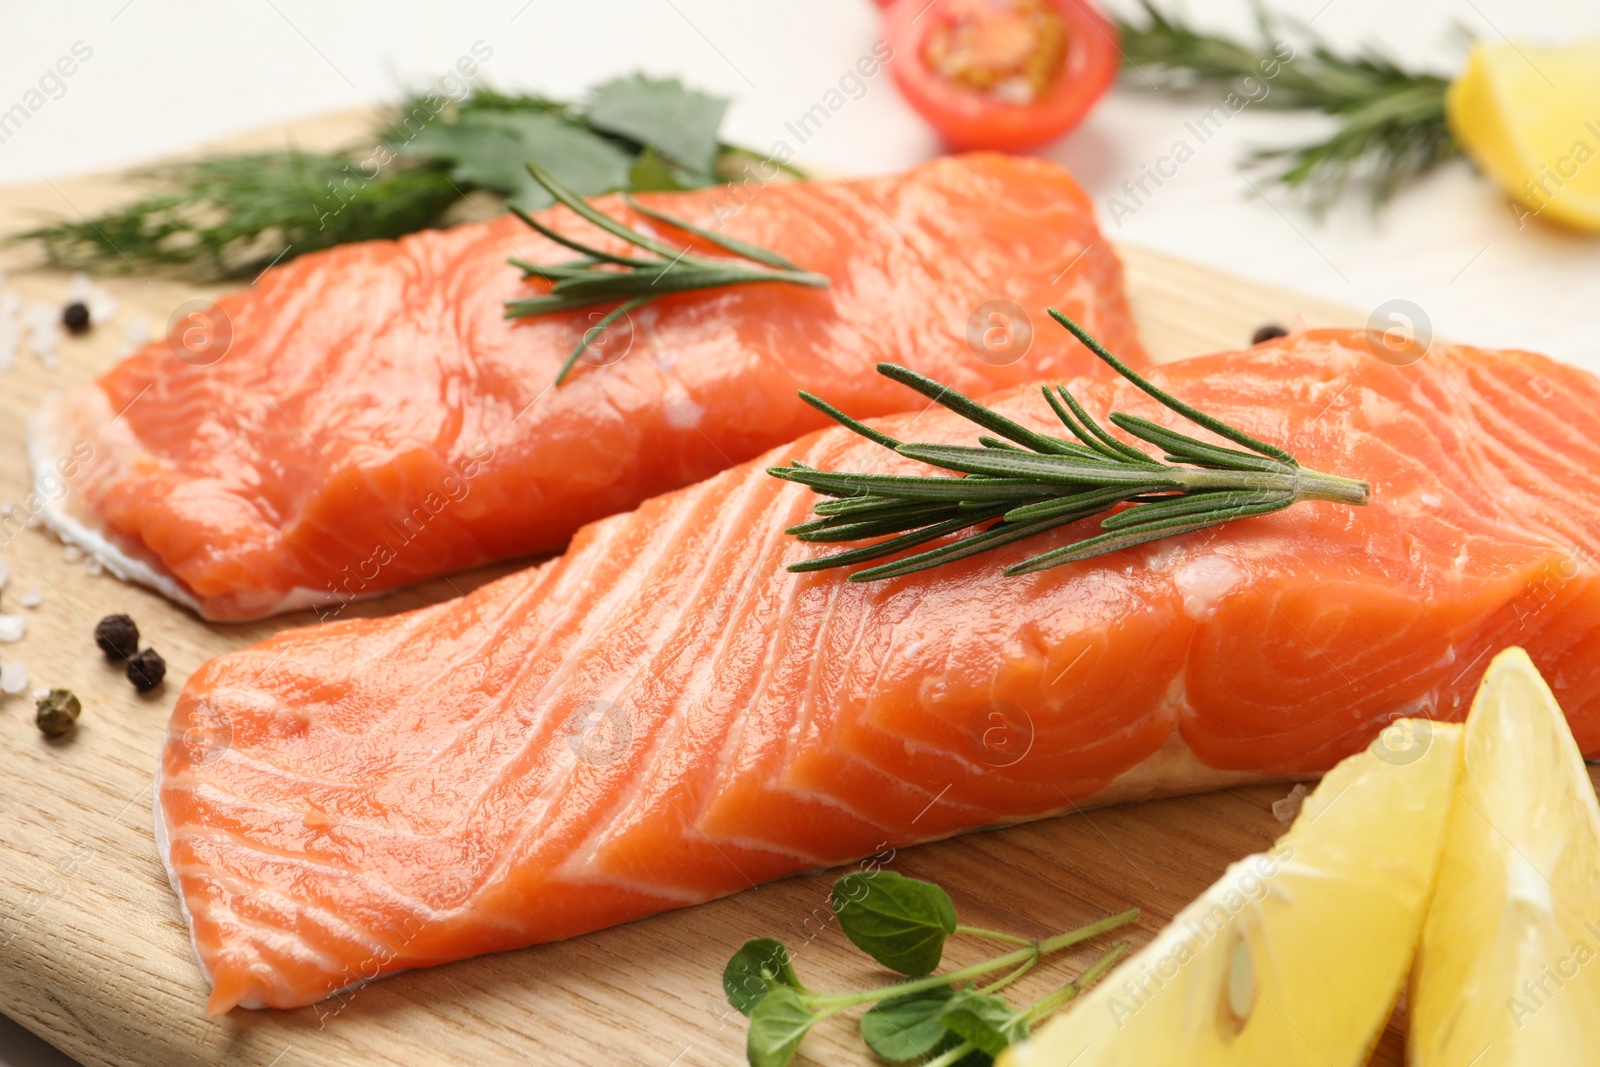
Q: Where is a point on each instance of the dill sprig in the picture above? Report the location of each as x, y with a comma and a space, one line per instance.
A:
1023, 483
601, 277
1391, 124
232, 216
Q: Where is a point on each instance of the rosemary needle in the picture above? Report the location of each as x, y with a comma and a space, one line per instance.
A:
602, 277
1031, 482
1391, 123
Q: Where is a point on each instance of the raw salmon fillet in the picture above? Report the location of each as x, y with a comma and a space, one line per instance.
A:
377, 421
665, 714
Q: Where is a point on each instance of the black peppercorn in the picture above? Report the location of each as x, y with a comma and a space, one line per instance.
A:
57, 712
117, 636
75, 317
1271, 331
146, 670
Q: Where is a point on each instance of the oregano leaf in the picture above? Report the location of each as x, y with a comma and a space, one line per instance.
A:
900, 922
777, 1026
760, 966
988, 1022
908, 1027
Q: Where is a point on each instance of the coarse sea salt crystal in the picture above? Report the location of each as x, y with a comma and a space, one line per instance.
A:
12, 627
1205, 581
101, 304
1286, 809
31, 599
137, 331
92, 565
13, 678
71, 553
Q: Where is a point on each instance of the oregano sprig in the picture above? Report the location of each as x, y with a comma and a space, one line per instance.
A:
937, 1019
1022, 482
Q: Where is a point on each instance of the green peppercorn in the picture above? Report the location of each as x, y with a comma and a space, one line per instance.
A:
57, 712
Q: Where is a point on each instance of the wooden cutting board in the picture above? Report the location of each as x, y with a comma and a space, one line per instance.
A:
94, 955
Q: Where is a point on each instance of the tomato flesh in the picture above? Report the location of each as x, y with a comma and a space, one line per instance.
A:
1001, 74
1012, 51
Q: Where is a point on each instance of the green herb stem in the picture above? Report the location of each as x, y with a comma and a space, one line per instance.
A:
952, 1055
917, 985
1052, 1002
1084, 933
1030, 953
993, 935
1001, 983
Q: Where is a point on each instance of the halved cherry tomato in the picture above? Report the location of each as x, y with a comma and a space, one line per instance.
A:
1002, 74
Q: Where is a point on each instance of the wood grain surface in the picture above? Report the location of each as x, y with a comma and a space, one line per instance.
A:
94, 955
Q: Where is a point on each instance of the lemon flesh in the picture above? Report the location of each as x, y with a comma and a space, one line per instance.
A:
1297, 955
1509, 967
1530, 118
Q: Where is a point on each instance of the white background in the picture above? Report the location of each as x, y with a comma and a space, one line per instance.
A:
165, 74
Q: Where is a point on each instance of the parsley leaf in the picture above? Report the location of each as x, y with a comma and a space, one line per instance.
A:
679, 123
489, 149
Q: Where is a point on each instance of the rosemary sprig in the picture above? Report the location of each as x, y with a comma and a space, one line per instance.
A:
1391, 121
602, 277
1024, 483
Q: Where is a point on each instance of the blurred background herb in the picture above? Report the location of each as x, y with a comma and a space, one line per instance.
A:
1391, 121
231, 216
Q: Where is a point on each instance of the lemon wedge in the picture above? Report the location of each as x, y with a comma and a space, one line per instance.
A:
1297, 955
1530, 118
1509, 967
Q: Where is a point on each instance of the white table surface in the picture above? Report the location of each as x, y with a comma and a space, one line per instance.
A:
165, 74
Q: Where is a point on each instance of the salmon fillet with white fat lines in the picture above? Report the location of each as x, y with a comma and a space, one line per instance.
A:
377, 420
665, 714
